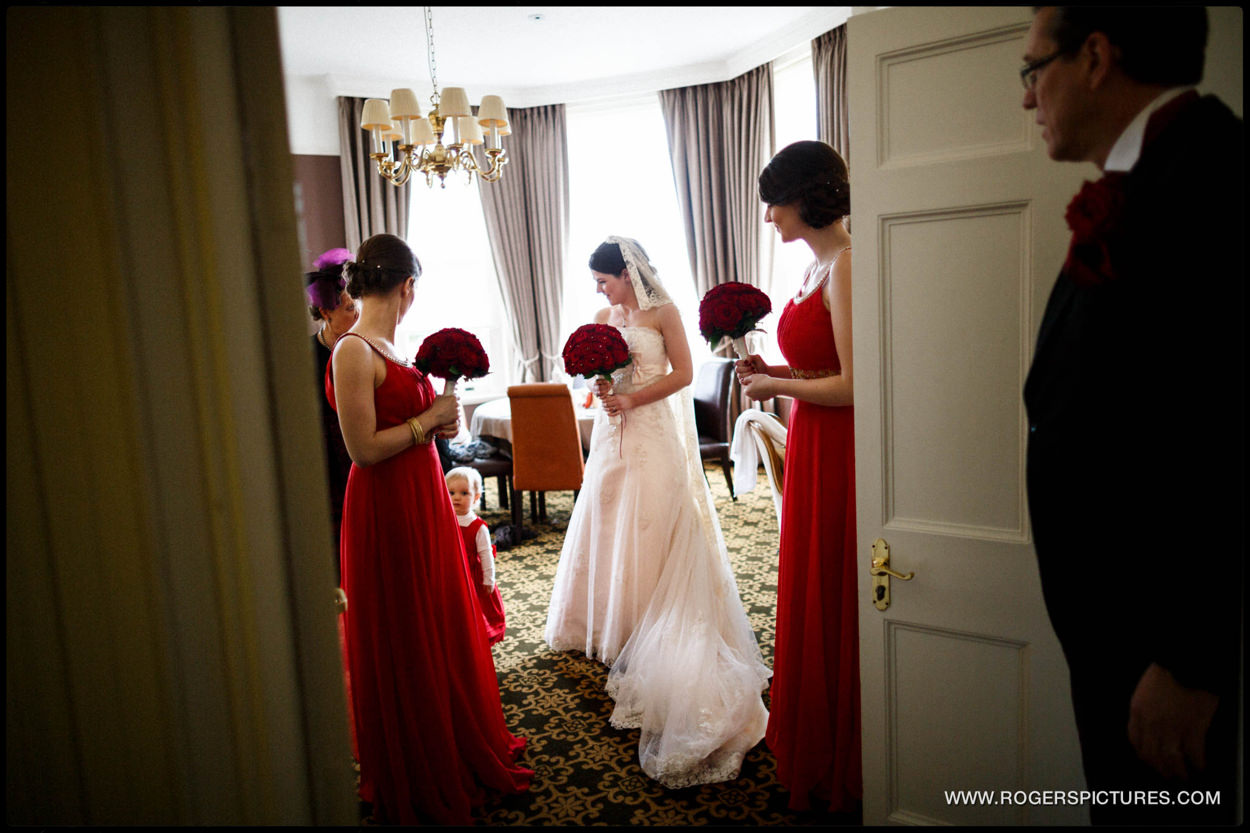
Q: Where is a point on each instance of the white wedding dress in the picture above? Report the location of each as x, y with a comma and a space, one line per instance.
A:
644, 585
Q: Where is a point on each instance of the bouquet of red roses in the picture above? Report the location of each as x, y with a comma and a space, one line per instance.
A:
595, 350
731, 310
451, 353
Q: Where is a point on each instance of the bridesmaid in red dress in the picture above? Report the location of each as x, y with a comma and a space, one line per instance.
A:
813, 724
429, 721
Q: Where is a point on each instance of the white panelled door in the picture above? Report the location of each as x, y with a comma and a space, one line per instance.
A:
958, 224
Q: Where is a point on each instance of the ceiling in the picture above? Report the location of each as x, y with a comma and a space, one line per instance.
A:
535, 55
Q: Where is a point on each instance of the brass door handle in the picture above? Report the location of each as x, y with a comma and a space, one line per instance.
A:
878, 568
881, 574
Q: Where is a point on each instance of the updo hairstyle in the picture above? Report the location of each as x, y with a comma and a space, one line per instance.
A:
811, 175
607, 259
382, 263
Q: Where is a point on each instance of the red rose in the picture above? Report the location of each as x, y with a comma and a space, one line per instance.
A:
731, 309
725, 317
595, 350
1094, 215
451, 353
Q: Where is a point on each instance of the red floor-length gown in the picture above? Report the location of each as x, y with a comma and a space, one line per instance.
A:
813, 724
429, 721
490, 600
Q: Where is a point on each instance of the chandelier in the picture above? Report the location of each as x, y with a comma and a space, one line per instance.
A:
406, 142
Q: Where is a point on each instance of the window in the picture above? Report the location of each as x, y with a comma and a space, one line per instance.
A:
794, 119
621, 182
458, 286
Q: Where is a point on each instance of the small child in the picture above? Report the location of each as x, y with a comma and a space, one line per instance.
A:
464, 484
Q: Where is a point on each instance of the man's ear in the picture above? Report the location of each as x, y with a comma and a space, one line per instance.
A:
1101, 57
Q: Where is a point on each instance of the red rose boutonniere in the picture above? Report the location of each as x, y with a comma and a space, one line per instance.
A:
1094, 215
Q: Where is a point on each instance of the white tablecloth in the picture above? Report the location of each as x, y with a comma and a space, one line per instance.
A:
494, 419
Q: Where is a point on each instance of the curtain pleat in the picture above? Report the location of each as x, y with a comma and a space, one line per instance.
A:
527, 221
829, 67
371, 205
720, 137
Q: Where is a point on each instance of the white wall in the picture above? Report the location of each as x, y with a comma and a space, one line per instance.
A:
312, 115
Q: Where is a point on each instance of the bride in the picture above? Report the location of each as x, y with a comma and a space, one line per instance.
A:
644, 582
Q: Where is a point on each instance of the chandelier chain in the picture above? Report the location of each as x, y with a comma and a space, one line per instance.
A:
429, 52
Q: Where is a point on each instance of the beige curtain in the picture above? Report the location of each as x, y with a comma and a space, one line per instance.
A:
527, 222
720, 136
829, 66
371, 205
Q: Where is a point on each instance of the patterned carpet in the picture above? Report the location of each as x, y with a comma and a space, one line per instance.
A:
586, 772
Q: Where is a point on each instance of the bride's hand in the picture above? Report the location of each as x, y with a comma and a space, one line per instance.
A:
617, 403
758, 386
601, 387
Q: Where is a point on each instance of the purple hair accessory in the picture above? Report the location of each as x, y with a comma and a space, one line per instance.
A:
324, 290
332, 257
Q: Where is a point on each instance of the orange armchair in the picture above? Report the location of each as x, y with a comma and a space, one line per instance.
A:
546, 445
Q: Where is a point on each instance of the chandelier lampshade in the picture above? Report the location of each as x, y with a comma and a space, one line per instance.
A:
376, 115
469, 130
422, 133
406, 141
404, 105
454, 102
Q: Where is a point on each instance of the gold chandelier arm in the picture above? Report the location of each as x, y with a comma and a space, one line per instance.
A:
498, 158
395, 174
439, 160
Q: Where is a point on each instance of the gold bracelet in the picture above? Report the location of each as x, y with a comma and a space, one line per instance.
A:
418, 434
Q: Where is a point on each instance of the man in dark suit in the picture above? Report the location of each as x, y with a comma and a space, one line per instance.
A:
1134, 398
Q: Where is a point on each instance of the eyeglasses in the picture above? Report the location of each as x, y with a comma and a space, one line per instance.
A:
1028, 73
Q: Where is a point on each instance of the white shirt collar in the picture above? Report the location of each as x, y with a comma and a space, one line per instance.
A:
1127, 149
467, 518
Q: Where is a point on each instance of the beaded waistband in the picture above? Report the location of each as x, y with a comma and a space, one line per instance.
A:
811, 374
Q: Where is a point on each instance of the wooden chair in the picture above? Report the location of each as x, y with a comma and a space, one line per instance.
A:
500, 468
546, 446
773, 457
712, 386
759, 438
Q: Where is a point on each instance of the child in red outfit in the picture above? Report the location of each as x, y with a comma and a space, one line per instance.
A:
464, 484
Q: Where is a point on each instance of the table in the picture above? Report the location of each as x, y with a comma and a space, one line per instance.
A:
494, 419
